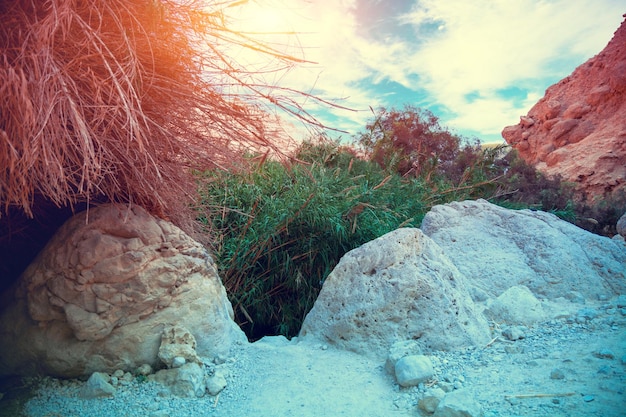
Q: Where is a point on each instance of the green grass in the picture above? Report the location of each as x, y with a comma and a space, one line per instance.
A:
280, 229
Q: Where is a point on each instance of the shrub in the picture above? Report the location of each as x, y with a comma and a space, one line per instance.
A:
283, 227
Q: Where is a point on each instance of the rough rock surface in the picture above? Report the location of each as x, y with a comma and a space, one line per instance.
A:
100, 294
578, 129
517, 305
500, 248
177, 342
398, 287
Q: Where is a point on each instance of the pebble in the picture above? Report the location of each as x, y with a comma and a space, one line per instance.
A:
144, 370
413, 369
604, 353
588, 398
514, 333
557, 374
178, 361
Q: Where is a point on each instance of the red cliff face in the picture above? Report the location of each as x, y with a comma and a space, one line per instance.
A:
578, 129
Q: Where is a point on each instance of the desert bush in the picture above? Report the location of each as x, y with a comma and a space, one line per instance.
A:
115, 100
409, 141
283, 227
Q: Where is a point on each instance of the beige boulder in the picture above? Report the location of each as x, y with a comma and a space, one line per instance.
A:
395, 288
498, 248
103, 290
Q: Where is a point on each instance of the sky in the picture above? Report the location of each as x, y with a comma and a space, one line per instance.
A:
478, 65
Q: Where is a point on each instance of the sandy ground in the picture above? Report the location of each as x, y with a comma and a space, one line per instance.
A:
563, 367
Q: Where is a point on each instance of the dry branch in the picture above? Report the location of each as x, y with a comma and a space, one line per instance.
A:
117, 99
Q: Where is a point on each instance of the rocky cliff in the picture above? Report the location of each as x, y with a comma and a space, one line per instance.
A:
578, 129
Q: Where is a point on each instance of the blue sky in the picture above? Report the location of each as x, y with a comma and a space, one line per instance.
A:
477, 64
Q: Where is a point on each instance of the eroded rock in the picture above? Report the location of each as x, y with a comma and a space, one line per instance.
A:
500, 248
100, 294
398, 287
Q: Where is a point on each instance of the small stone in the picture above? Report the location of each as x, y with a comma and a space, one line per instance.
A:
411, 370
144, 370
604, 353
431, 399
556, 401
513, 333
114, 381
557, 374
215, 384
459, 403
118, 374
97, 386
178, 361
588, 398
399, 350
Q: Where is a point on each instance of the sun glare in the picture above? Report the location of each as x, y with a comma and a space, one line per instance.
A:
267, 17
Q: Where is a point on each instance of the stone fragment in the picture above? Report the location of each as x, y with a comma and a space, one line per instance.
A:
215, 383
400, 286
186, 381
431, 399
97, 386
557, 374
517, 305
399, 350
144, 370
178, 346
514, 333
414, 369
604, 353
459, 403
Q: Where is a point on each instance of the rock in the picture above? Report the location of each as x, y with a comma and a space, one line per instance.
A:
398, 287
102, 291
399, 350
97, 386
414, 369
604, 353
621, 226
459, 403
178, 346
186, 381
513, 333
144, 370
557, 374
215, 383
578, 128
431, 400
517, 305
500, 248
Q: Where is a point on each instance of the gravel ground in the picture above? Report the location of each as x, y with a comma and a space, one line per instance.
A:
573, 365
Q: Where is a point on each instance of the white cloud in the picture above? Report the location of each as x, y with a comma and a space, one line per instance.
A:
463, 53
488, 45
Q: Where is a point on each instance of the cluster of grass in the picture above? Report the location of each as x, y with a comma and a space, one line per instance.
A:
280, 228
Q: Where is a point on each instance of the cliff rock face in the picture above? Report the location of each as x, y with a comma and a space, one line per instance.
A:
578, 129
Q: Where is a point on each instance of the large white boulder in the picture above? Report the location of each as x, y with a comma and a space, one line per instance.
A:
498, 248
398, 287
101, 293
